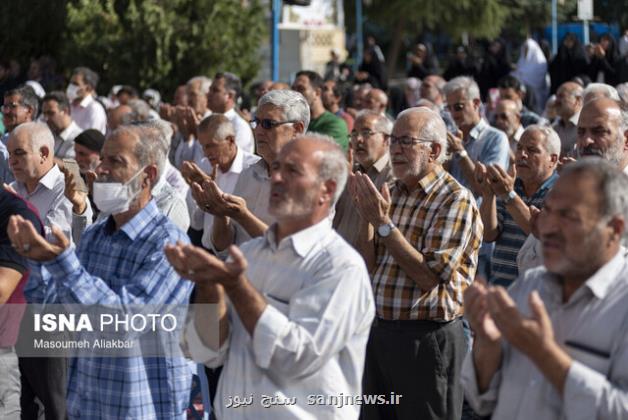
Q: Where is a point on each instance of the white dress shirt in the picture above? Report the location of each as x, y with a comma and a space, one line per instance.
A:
171, 204
175, 179
311, 338
64, 142
89, 114
49, 200
243, 133
226, 182
592, 326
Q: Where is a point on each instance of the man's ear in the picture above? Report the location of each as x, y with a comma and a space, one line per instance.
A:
618, 225
45, 152
299, 128
554, 158
626, 140
151, 175
435, 151
329, 189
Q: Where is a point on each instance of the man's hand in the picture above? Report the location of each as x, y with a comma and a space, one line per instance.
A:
372, 206
502, 182
476, 312
167, 112
30, 244
529, 335
192, 173
202, 268
482, 181
9, 188
72, 193
455, 143
234, 205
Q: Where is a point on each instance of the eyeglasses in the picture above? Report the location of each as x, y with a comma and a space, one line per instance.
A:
456, 107
267, 124
10, 106
406, 141
353, 136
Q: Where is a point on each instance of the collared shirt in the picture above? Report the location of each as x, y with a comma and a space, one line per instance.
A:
441, 220
568, 133
511, 237
528, 118
243, 133
591, 326
347, 219
120, 267
171, 204
64, 142
49, 200
175, 179
311, 337
226, 181
89, 113
515, 138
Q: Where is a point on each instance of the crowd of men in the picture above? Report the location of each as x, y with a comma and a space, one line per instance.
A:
346, 264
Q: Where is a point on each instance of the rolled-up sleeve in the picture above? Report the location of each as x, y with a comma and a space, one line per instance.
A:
482, 403
197, 349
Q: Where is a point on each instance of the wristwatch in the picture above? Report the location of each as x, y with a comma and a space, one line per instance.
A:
385, 229
461, 154
507, 198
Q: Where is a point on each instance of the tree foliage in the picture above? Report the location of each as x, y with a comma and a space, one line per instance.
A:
162, 43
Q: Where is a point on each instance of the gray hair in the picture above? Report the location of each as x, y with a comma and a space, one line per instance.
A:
39, 135
90, 77
149, 149
551, 140
622, 91
613, 186
600, 88
165, 128
140, 112
205, 83
333, 163
464, 83
28, 98
383, 124
219, 122
433, 130
292, 103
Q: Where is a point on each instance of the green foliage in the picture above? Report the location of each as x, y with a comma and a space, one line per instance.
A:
162, 43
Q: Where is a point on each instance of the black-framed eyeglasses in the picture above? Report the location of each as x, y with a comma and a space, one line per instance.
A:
267, 123
406, 141
456, 107
353, 136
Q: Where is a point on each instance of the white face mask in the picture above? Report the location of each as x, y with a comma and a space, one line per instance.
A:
72, 92
115, 197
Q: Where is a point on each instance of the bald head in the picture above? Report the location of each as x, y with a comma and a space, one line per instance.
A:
425, 124
31, 152
568, 100
117, 115
376, 100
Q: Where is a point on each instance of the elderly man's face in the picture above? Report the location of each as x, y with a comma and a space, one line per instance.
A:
270, 141
429, 89
567, 104
14, 113
119, 161
507, 118
532, 160
367, 143
218, 151
375, 101
196, 98
26, 163
295, 185
571, 228
410, 163
464, 110
599, 131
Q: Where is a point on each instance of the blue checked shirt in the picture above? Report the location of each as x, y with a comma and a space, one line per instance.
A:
122, 267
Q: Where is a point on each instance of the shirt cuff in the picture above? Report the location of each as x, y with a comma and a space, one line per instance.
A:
199, 352
269, 328
64, 265
582, 393
483, 404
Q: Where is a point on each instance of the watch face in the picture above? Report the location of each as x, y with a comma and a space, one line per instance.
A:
383, 230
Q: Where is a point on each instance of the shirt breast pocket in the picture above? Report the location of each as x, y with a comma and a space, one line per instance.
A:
596, 359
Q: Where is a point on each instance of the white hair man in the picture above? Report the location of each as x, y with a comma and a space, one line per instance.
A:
562, 327
420, 239
599, 90
299, 300
39, 180
507, 196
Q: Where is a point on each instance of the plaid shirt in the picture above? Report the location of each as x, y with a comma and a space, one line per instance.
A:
120, 267
441, 220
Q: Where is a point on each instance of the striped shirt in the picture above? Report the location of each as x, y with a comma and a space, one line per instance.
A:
120, 267
441, 220
511, 238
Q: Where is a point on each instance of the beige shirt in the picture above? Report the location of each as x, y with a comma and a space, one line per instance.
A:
568, 133
347, 219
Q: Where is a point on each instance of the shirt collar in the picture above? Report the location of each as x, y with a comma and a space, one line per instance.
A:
381, 163
238, 163
65, 134
304, 240
50, 179
600, 282
574, 118
230, 113
133, 227
518, 133
260, 170
427, 183
477, 130
86, 101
